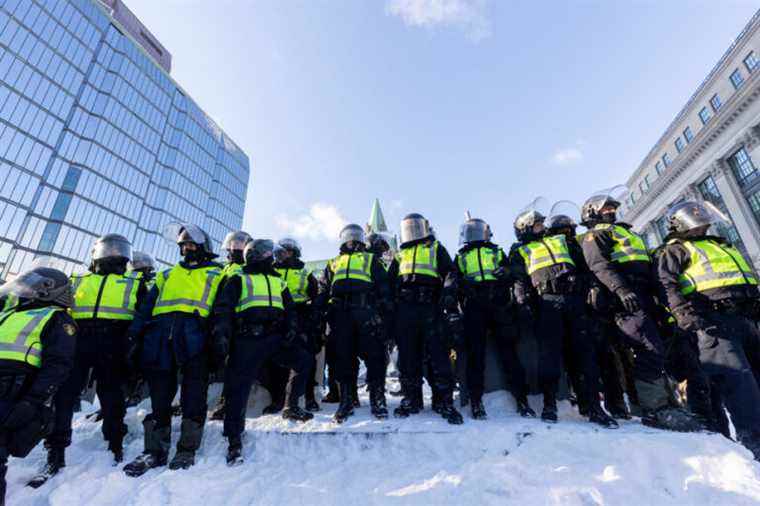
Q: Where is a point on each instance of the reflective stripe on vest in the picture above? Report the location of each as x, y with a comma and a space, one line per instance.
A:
356, 266
260, 290
297, 282
713, 265
21, 335
419, 259
116, 300
545, 253
628, 247
479, 264
187, 290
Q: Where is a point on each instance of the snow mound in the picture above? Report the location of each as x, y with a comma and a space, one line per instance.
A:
421, 460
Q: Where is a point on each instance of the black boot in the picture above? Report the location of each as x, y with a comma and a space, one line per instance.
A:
618, 411
56, 460
235, 451
333, 393
346, 407
410, 404
549, 413
296, 413
449, 412
116, 448
191, 433
273, 408
157, 441
218, 413
523, 407
477, 408
355, 395
377, 402
598, 416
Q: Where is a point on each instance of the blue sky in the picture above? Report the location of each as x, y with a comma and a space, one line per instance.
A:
436, 106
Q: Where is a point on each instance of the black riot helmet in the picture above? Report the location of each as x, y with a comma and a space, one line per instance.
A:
526, 228
377, 243
143, 262
234, 244
474, 230
352, 237
259, 251
602, 206
40, 284
415, 227
182, 233
694, 218
287, 245
110, 254
563, 218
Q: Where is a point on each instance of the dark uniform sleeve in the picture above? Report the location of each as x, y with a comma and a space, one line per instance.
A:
291, 316
671, 262
312, 287
523, 287
393, 276
324, 289
448, 272
597, 249
380, 279
58, 347
143, 310
224, 307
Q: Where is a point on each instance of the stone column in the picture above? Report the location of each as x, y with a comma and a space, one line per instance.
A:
737, 205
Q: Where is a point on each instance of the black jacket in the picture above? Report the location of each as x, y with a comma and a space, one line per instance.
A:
58, 348
673, 259
227, 322
597, 249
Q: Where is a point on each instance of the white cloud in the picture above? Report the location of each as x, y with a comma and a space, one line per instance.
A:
323, 221
467, 15
567, 156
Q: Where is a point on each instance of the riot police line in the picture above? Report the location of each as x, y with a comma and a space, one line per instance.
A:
621, 320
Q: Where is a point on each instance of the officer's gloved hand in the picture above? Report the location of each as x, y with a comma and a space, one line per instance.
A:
688, 319
219, 351
628, 299
597, 300
455, 322
21, 414
449, 303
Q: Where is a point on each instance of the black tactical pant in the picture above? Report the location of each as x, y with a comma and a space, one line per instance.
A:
481, 315
248, 353
101, 346
563, 322
353, 335
420, 333
639, 331
163, 387
723, 359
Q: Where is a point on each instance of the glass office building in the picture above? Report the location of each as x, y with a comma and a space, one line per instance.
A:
95, 137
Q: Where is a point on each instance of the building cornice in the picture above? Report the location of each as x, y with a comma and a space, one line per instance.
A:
703, 140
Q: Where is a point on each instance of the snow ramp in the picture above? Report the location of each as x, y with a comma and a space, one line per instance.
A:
417, 461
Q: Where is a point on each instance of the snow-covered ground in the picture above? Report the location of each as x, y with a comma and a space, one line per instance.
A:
421, 460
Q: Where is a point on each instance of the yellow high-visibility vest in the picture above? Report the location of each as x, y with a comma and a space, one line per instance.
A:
479, 264
21, 335
628, 247
185, 290
713, 265
356, 265
260, 290
109, 297
297, 281
545, 252
419, 259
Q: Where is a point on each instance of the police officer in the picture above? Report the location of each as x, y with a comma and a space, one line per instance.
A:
105, 300
37, 342
709, 288
234, 244
256, 313
485, 291
424, 277
619, 259
303, 289
356, 284
144, 266
178, 340
549, 285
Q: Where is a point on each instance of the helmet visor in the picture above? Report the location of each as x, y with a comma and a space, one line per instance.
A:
473, 231
351, 233
112, 246
141, 260
235, 241
177, 232
413, 229
564, 213
258, 250
690, 215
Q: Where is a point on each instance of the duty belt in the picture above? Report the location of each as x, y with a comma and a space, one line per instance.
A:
566, 285
352, 300
11, 386
257, 330
490, 292
729, 306
418, 295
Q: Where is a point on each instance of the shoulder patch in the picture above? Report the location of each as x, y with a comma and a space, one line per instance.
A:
69, 329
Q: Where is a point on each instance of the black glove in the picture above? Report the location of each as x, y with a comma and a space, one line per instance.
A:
688, 319
449, 303
21, 414
628, 299
455, 322
219, 351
